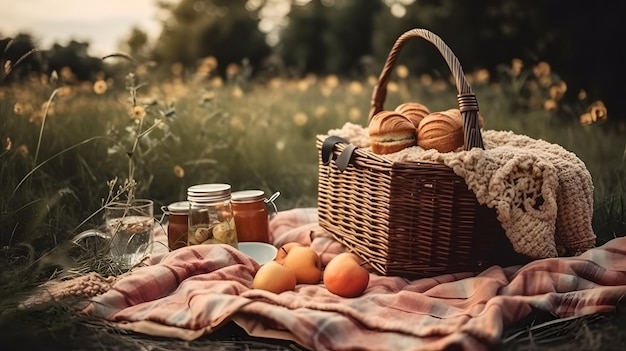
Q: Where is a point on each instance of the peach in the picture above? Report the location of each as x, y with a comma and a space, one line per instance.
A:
305, 262
283, 250
274, 277
344, 275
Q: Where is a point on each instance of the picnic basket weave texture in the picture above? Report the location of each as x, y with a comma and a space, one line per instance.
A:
410, 219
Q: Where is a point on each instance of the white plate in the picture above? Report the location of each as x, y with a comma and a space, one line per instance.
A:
259, 251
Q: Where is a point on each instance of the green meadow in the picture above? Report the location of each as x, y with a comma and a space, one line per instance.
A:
69, 147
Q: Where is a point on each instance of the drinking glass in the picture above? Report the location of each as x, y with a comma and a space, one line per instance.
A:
128, 228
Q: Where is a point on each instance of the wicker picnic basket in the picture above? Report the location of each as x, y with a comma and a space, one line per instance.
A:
410, 219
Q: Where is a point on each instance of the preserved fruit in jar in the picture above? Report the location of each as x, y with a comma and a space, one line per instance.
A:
251, 216
211, 219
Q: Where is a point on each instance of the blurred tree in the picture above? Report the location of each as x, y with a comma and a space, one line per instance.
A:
301, 44
137, 43
73, 63
19, 58
326, 38
196, 29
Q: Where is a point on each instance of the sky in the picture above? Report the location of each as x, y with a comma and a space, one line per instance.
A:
103, 23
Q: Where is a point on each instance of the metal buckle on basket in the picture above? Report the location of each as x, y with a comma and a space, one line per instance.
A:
344, 158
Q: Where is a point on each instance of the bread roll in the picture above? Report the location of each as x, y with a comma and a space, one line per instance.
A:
442, 131
391, 132
414, 111
456, 113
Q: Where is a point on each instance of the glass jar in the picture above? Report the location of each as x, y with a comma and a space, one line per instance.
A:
211, 219
177, 224
251, 216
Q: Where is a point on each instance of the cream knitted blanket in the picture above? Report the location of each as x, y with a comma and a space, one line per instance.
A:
543, 194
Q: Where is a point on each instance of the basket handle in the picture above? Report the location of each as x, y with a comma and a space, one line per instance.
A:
468, 104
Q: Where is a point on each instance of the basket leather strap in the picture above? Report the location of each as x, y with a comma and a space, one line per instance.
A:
344, 158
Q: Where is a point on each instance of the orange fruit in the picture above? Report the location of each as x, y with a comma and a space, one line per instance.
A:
344, 275
284, 250
305, 262
274, 277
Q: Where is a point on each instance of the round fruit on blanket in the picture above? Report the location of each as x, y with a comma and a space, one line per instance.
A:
274, 277
345, 276
284, 250
304, 261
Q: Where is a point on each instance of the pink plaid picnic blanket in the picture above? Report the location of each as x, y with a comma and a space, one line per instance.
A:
195, 290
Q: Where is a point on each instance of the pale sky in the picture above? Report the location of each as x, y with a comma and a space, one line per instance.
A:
103, 23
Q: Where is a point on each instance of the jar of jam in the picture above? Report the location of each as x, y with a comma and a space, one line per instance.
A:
177, 224
251, 216
211, 219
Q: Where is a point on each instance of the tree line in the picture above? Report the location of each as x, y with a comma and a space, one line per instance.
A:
581, 40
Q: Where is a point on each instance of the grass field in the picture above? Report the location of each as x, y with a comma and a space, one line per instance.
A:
69, 147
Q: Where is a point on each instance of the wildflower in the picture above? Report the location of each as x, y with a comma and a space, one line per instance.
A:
586, 119
355, 88
54, 77
8, 144
372, 80
545, 81
179, 171
310, 78
541, 69
237, 124
138, 113
203, 71
141, 70
47, 107
303, 85
320, 111
210, 62
326, 91
557, 91
100, 87
232, 69
160, 124
22, 150
237, 92
280, 145
177, 69
426, 79
332, 81
36, 117
516, 67
550, 105
19, 108
393, 87
207, 97
275, 83
65, 91
354, 114
67, 74
217, 82
482, 76
598, 111
402, 71
300, 119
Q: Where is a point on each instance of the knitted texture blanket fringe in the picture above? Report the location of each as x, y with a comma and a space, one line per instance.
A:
543, 194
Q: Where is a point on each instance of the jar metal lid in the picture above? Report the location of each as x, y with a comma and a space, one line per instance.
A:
180, 207
208, 192
246, 196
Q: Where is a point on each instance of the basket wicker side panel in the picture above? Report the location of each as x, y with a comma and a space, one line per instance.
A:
353, 206
432, 222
